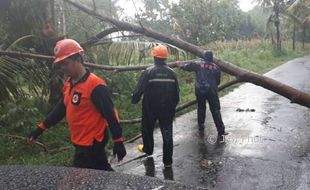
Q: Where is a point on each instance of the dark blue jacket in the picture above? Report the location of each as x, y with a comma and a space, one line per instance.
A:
160, 88
208, 75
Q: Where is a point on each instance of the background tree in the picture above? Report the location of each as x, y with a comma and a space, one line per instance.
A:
299, 14
295, 10
35, 26
155, 14
255, 22
205, 21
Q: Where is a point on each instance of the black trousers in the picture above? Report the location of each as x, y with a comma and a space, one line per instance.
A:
93, 157
214, 104
165, 118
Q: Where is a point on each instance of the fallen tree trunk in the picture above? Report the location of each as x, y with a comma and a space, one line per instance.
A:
294, 95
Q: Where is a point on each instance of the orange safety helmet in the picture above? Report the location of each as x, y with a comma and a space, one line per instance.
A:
65, 48
160, 51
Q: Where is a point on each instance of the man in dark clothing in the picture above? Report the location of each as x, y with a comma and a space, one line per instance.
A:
208, 76
88, 108
161, 95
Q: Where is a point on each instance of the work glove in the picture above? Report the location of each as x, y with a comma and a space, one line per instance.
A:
34, 135
178, 64
119, 150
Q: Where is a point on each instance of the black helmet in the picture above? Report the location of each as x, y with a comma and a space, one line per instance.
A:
208, 56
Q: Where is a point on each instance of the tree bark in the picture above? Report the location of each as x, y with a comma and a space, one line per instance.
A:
269, 30
52, 8
63, 19
303, 36
28, 55
94, 5
296, 96
294, 36
277, 24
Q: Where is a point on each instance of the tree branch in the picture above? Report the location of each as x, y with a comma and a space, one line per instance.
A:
91, 65
24, 54
108, 40
99, 36
132, 67
25, 139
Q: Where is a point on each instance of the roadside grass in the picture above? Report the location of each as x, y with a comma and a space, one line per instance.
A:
19, 118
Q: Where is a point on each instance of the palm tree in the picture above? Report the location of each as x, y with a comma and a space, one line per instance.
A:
22, 76
298, 13
276, 6
22, 22
34, 28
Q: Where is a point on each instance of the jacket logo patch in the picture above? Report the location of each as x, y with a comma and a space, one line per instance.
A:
76, 98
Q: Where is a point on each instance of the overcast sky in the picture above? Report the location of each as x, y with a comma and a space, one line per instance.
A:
246, 5
130, 10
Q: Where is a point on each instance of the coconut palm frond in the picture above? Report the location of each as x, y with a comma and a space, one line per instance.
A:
9, 80
264, 3
306, 21
298, 11
298, 5
294, 6
16, 42
138, 52
290, 16
22, 76
8, 85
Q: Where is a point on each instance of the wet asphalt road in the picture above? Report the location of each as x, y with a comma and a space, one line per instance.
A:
23, 177
268, 146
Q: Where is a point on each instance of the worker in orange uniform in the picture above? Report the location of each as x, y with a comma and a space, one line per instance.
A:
88, 108
160, 87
